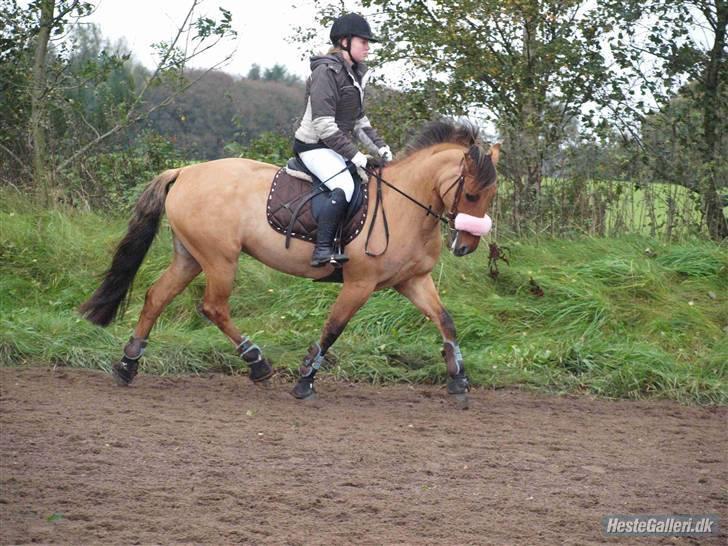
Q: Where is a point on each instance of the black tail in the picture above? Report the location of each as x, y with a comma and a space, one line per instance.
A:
104, 305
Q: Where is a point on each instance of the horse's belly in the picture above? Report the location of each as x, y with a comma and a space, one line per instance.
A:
269, 249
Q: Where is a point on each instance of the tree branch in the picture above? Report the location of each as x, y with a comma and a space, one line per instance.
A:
166, 57
130, 116
129, 120
80, 113
62, 13
16, 158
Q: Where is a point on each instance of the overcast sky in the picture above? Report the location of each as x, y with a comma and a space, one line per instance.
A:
262, 25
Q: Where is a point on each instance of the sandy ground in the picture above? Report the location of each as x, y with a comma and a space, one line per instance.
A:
216, 460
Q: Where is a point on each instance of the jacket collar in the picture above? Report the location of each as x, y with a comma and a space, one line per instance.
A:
361, 70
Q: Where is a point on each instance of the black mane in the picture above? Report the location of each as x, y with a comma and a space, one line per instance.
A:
465, 133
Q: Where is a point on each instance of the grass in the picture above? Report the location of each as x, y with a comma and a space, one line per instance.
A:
628, 317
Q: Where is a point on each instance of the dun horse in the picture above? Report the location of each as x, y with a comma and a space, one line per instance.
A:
218, 209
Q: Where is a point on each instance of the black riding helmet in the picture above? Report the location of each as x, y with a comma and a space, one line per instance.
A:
351, 24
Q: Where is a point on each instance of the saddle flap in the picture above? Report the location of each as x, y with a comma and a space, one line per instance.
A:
292, 204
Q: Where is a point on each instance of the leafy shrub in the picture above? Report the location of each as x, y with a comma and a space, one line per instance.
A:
268, 147
114, 179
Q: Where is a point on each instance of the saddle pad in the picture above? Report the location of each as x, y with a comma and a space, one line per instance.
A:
290, 195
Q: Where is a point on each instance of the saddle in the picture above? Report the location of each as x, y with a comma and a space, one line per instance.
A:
295, 200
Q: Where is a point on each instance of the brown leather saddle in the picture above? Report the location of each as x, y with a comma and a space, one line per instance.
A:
296, 197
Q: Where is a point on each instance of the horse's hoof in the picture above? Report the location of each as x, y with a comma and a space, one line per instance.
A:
260, 371
458, 384
458, 388
120, 381
304, 390
461, 401
309, 397
124, 371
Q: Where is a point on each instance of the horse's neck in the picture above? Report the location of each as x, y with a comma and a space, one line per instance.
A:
424, 175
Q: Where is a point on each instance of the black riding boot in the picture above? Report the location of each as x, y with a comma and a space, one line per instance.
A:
328, 222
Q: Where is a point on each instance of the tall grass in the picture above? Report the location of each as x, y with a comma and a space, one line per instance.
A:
569, 206
628, 317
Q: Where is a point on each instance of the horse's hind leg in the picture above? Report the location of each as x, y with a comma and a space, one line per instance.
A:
421, 291
215, 306
350, 299
178, 275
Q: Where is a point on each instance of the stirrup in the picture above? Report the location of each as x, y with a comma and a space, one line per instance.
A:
336, 259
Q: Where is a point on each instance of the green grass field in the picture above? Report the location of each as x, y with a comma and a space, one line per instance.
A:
616, 319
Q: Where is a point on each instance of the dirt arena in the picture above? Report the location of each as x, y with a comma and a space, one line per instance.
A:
217, 460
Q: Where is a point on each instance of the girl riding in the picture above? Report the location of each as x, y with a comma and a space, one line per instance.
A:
333, 120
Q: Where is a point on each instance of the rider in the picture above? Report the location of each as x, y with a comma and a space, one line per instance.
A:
334, 115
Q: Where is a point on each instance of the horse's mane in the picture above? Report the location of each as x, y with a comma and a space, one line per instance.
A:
465, 133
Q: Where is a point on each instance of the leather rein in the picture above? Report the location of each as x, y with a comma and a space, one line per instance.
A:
448, 218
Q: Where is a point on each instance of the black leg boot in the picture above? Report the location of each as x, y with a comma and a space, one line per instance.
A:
325, 252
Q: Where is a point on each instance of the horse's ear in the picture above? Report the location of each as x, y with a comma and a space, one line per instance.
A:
495, 153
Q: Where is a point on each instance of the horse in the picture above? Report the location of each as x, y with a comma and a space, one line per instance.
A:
217, 210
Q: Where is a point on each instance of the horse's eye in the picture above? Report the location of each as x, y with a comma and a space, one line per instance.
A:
472, 197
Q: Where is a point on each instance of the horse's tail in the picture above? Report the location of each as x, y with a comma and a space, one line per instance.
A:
103, 306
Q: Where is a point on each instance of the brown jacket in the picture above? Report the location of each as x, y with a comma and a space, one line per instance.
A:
334, 114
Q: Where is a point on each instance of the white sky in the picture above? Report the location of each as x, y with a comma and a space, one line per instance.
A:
263, 27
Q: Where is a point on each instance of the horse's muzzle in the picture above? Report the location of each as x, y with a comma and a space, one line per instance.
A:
463, 250
472, 226
459, 249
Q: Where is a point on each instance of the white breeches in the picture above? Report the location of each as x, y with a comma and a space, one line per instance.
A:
325, 163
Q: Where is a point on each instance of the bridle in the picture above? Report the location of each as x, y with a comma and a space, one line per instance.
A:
447, 218
460, 182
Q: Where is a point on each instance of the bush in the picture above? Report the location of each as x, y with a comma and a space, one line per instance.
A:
268, 147
114, 179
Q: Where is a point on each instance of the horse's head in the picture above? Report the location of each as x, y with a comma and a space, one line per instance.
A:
472, 194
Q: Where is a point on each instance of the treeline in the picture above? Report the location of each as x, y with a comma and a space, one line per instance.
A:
606, 128
221, 110
608, 90
83, 122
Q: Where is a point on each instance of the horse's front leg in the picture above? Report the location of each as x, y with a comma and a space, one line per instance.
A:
421, 291
350, 299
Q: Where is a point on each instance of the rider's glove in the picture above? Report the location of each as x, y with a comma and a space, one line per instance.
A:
360, 160
385, 153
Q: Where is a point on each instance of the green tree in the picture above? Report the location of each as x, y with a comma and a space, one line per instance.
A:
269, 147
279, 73
219, 109
665, 45
15, 81
528, 65
29, 33
52, 17
254, 72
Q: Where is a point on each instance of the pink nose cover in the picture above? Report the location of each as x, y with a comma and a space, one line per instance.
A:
473, 225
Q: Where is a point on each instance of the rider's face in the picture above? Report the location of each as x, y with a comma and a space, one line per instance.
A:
359, 49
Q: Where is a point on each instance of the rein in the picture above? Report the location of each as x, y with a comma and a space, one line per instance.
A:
446, 219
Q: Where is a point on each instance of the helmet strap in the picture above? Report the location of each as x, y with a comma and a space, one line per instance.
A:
354, 64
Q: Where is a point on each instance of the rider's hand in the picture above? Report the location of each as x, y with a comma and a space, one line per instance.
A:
385, 153
360, 160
